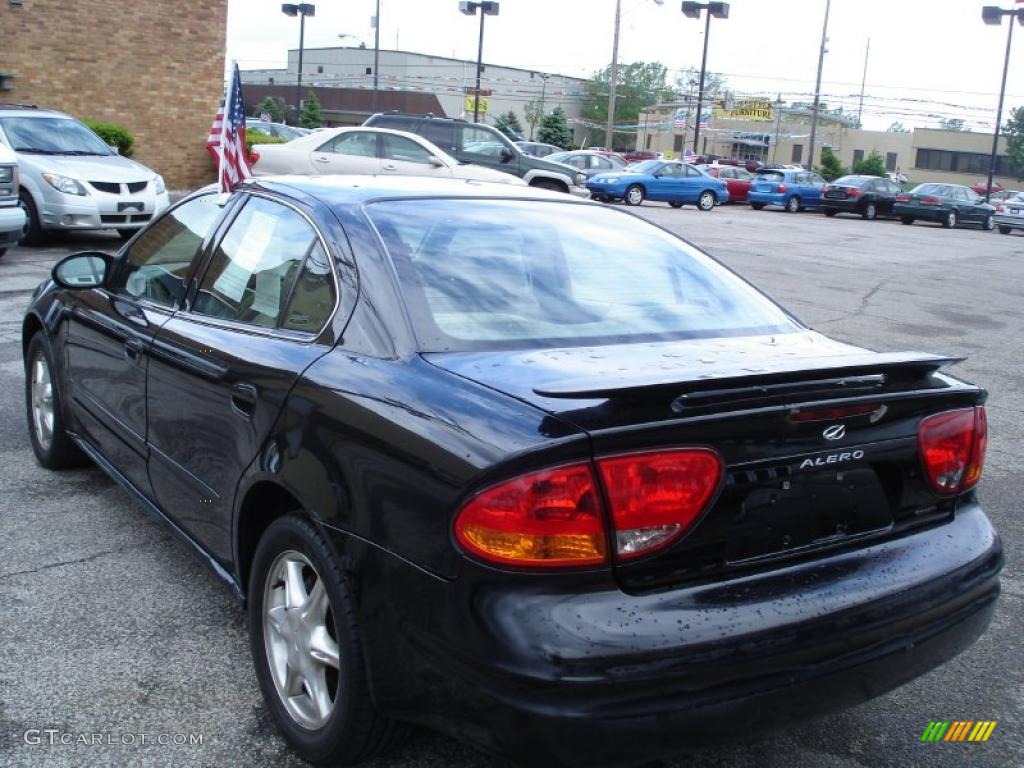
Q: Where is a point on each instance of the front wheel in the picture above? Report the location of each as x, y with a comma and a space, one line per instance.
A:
2, 252
793, 204
32, 233
907, 219
951, 220
1005, 230
869, 212
308, 648
675, 204
634, 195
50, 442
830, 212
757, 206
706, 201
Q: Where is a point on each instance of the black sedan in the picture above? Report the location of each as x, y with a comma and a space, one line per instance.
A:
867, 196
521, 468
948, 204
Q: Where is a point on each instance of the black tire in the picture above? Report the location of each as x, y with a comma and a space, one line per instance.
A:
793, 204
906, 219
830, 212
706, 201
634, 195
757, 206
354, 731
2, 252
61, 453
989, 223
33, 234
869, 211
554, 186
951, 220
126, 234
675, 204
1005, 230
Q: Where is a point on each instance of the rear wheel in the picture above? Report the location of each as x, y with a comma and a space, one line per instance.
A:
951, 220
907, 219
757, 206
308, 648
50, 442
706, 201
634, 195
674, 204
1004, 230
869, 212
793, 204
989, 224
830, 212
32, 233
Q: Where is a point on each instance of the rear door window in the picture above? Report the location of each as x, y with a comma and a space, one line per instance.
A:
436, 132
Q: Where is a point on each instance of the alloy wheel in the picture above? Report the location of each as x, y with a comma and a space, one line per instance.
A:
793, 205
869, 211
634, 195
990, 223
42, 402
301, 640
706, 202
28, 217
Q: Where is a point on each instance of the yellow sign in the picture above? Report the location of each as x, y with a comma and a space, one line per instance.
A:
471, 99
760, 110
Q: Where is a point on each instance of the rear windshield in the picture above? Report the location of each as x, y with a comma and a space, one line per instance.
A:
771, 176
495, 274
852, 181
942, 190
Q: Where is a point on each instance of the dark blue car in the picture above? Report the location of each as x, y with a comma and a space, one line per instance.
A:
795, 190
667, 181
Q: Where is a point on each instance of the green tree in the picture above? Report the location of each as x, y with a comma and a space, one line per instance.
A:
509, 124
639, 85
534, 113
310, 115
271, 107
687, 83
897, 127
872, 165
1014, 133
554, 129
952, 124
830, 166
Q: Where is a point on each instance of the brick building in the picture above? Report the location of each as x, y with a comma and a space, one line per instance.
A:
156, 68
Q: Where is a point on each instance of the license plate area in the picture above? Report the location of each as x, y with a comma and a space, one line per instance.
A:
121, 207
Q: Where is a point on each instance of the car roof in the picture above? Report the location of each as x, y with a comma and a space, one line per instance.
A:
344, 190
30, 110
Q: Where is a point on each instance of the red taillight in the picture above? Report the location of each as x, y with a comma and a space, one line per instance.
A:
853, 193
833, 414
825, 189
903, 198
655, 497
547, 518
929, 200
1000, 209
555, 518
952, 448
782, 188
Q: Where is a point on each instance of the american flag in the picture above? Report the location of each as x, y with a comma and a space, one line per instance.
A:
227, 137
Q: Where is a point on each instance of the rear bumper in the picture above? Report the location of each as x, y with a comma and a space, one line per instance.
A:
607, 678
844, 205
767, 198
1013, 222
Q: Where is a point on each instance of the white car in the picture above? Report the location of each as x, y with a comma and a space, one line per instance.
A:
368, 151
12, 218
1010, 214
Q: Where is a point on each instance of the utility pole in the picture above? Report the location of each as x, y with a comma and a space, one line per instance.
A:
991, 14
778, 125
817, 85
376, 56
863, 81
613, 78
700, 86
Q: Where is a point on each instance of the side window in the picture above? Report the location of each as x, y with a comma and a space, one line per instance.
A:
726, 173
405, 150
577, 161
158, 262
603, 163
436, 132
478, 141
816, 179
253, 273
358, 143
691, 171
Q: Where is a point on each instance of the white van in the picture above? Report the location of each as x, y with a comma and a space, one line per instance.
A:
12, 218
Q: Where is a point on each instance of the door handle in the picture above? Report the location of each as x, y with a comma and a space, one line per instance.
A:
389, 166
132, 349
322, 159
243, 399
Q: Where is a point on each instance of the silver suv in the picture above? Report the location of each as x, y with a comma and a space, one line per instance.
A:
12, 220
71, 179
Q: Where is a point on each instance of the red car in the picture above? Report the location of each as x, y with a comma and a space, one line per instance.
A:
982, 185
737, 179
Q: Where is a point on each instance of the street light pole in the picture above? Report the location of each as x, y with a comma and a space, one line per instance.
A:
992, 14
817, 84
613, 76
376, 57
302, 10
486, 8
692, 10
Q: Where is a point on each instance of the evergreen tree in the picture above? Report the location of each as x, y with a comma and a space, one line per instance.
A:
509, 124
830, 166
1014, 133
272, 108
554, 129
872, 165
310, 115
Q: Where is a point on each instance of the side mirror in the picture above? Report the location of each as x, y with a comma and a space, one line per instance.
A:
436, 161
87, 269
506, 154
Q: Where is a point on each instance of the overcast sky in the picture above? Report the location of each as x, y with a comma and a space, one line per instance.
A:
928, 57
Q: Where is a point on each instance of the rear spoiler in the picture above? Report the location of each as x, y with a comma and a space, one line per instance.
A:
852, 371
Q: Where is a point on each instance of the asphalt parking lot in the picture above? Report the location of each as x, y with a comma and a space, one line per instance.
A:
108, 625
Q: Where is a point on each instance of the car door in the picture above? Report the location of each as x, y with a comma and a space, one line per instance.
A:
402, 156
811, 185
349, 152
110, 331
978, 208
254, 319
480, 146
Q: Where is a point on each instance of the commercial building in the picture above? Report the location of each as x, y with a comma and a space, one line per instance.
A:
409, 81
783, 136
157, 68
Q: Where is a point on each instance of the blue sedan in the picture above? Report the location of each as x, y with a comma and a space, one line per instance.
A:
794, 190
667, 181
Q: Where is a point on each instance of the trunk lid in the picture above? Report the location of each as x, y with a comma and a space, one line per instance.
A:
819, 438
